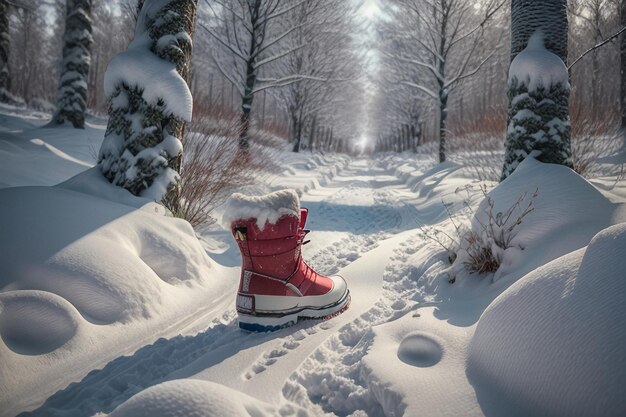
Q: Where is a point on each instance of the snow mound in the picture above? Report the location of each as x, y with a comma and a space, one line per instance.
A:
553, 343
536, 67
264, 208
568, 212
412, 363
111, 262
192, 398
36, 322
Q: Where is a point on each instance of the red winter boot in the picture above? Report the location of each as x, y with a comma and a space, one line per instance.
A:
277, 287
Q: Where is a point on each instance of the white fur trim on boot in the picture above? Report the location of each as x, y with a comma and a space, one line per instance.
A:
264, 208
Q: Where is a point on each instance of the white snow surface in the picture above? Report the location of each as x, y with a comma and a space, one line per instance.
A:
192, 398
537, 67
110, 307
266, 208
553, 343
568, 212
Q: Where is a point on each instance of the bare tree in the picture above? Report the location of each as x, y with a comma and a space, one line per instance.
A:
594, 14
249, 35
443, 37
323, 53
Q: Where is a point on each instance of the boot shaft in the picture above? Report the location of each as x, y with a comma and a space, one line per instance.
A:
273, 250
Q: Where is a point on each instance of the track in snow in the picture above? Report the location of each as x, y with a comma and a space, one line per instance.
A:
350, 216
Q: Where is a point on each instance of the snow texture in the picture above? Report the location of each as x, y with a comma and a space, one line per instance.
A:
264, 208
536, 67
553, 343
156, 78
568, 212
192, 398
91, 277
82, 276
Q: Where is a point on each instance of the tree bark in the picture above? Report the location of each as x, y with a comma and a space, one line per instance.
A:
139, 125
529, 15
538, 120
248, 96
72, 95
622, 55
5, 80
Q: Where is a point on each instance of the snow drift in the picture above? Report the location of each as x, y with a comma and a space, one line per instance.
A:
81, 276
568, 212
553, 343
192, 398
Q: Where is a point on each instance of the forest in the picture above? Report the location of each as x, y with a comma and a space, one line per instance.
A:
312, 208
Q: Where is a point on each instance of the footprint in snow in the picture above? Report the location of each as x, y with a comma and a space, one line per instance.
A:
287, 345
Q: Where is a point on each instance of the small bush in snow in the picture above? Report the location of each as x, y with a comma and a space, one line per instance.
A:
594, 136
213, 167
478, 240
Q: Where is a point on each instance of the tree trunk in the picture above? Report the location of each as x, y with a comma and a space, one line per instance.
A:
312, 134
297, 132
142, 148
248, 96
549, 15
5, 80
622, 55
538, 120
443, 123
72, 95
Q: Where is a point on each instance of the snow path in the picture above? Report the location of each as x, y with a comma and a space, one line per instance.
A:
358, 211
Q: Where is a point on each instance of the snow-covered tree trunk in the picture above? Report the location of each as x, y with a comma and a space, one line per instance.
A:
538, 85
72, 93
623, 64
150, 102
5, 81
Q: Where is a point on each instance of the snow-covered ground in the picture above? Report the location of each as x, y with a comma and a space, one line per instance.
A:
110, 307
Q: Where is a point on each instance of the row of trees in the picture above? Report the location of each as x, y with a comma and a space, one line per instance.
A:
297, 58
303, 52
34, 42
452, 59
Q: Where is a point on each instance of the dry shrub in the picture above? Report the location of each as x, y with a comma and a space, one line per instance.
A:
479, 249
214, 166
593, 136
479, 145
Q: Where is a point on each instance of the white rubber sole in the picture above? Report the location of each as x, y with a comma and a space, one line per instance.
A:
266, 322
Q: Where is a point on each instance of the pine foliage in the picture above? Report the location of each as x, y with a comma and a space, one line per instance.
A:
72, 94
142, 149
538, 121
538, 116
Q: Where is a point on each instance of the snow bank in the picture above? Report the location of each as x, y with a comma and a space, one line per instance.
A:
553, 343
192, 398
111, 262
264, 208
568, 212
83, 278
536, 67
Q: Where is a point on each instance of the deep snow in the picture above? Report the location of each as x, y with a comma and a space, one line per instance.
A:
90, 273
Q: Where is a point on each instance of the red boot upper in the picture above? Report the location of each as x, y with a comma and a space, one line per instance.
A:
272, 258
